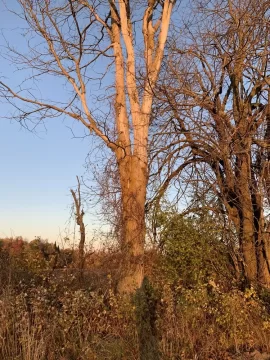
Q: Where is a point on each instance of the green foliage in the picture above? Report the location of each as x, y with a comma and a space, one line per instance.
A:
193, 252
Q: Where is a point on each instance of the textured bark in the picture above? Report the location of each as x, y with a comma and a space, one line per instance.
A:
246, 231
133, 175
132, 144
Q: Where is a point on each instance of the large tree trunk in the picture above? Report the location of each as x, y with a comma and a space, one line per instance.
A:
263, 253
133, 179
248, 218
246, 215
254, 242
247, 246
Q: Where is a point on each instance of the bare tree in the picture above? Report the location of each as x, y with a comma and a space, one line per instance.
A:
216, 96
73, 40
79, 213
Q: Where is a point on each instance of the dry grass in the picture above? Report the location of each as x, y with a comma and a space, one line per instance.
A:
52, 323
54, 317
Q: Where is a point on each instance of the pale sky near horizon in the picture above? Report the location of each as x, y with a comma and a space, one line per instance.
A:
37, 171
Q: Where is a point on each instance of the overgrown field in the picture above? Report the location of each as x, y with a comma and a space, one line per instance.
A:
192, 305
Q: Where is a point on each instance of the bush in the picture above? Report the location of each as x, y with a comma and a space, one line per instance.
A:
193, 252
201, 324
52, 323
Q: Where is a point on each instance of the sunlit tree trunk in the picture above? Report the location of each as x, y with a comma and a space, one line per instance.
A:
134, 178
75, 37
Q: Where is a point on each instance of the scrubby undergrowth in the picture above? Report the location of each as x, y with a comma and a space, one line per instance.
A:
184, 310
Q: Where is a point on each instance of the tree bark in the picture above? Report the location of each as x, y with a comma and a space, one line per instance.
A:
263, 255
133, 178
246, 216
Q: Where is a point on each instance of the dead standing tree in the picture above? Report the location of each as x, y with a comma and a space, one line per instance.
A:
71, 38
79, 213
216, 93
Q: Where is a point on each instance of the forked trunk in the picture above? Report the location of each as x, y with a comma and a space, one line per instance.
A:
133, 179
255, 247
249, 221
254, 243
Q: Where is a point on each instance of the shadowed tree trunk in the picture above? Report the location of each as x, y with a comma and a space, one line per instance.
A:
215, 90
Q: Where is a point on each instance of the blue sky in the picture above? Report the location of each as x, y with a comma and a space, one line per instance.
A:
36, 175
37, 171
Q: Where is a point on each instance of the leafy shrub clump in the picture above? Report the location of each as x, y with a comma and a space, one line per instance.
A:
206, 323
192, 250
